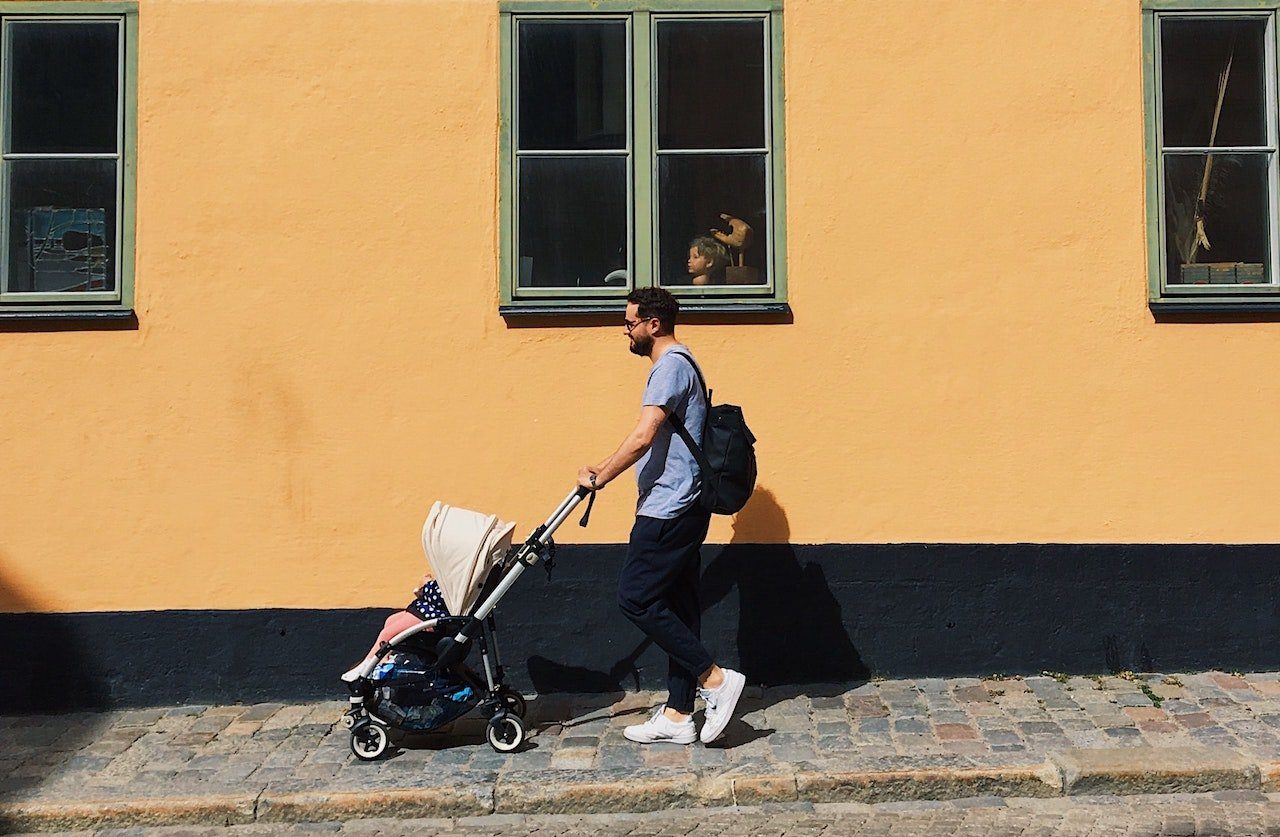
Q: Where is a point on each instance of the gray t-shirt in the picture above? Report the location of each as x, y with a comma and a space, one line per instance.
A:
667, 475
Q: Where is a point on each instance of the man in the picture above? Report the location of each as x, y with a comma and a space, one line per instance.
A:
658, 588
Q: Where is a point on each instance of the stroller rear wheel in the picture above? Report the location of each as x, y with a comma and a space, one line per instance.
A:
505, 733
368, 741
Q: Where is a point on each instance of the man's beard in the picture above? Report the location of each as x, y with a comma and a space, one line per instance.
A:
641, 346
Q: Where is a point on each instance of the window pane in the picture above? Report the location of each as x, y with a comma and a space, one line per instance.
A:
573, 86
573, 222
63, 81
694, 190
1198, 55
62, 225
1235, 219
711, 90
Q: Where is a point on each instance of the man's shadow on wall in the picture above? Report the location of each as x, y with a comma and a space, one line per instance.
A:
46, 670
791, 630
790, 636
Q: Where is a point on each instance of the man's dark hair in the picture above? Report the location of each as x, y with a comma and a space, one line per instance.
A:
656, 302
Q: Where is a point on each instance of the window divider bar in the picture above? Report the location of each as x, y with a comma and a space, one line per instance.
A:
644, 164
589, 152
1220, 149
68, 156
1273, 212
4, 146
692, 151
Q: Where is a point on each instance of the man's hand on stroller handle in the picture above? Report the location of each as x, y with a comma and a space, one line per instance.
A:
589, 478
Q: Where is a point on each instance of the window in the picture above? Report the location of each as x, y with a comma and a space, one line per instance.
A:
629, 129
66, 185
1212, 167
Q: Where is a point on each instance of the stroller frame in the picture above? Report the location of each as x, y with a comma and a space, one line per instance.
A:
502, 706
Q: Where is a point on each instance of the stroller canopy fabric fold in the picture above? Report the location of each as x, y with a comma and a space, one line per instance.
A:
461, 547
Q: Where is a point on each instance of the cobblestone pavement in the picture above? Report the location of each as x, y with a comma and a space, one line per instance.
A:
250, 752
1234, 813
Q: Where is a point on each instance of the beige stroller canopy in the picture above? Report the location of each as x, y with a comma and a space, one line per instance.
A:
461, 547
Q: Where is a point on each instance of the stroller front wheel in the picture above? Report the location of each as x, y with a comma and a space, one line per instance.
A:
505, 733
368, 741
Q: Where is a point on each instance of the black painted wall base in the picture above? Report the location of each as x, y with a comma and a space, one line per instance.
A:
783, 614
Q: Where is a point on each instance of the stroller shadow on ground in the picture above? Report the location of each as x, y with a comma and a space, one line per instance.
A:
790, 636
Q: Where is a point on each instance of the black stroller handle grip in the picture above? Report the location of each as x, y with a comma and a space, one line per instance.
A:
582, 492
586, 515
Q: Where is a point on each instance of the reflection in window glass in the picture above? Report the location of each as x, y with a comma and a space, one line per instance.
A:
711, 84
573, 86
62, 225
63, 85
1199, 55
694, 191
1226, 241
572, 222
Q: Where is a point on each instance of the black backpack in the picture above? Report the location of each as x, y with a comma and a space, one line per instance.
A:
726, 456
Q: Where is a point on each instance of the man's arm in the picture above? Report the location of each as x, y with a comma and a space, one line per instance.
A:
629, 452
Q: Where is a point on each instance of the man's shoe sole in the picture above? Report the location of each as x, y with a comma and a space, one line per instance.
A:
693, 736
728, 715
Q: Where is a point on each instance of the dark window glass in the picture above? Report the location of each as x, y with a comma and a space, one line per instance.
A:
62, 225
694, 191
1234, 216
573, 222
1197, 56
63, 85
711, 84
573, 86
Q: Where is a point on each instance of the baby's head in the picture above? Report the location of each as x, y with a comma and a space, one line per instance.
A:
707, 256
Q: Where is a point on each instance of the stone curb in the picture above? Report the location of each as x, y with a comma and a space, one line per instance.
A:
928, 783
1121, 771
628, 795
1134, 770
402, 803
79, 815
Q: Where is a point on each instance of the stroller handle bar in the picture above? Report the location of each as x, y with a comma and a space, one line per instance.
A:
452, 649
560, 514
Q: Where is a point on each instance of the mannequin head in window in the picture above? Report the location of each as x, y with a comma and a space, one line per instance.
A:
708, 259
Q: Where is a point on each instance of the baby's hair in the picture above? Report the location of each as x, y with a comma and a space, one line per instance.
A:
712, 250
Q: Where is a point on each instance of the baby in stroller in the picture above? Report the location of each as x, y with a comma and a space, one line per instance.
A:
428, 603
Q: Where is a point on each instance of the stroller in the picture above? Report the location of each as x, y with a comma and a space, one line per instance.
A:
419, 680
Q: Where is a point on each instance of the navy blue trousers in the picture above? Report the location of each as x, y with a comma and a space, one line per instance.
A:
658, 591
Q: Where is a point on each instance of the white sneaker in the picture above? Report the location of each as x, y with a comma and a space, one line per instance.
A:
661, 728
359, 670
721, 701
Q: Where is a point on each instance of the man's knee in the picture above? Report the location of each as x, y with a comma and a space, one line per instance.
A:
633, 608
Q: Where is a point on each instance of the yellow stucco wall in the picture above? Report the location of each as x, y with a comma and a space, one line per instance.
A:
971, 358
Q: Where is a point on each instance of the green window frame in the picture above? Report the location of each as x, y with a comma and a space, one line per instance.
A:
88, 303
641, 18
1222, 293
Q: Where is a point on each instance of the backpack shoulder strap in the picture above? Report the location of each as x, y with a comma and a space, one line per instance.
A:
679, 427
697, 371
